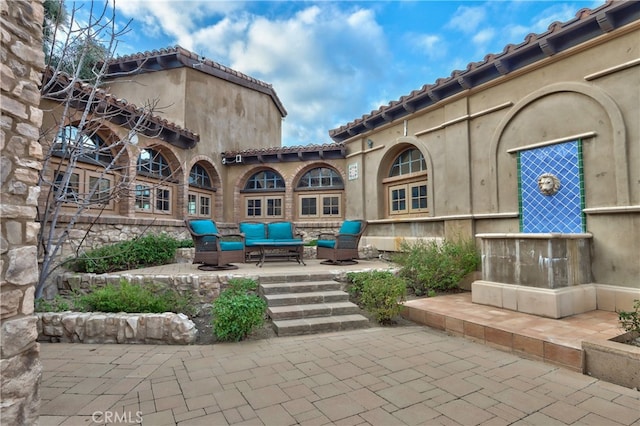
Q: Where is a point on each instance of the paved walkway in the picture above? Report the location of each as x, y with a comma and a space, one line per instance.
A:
378, 376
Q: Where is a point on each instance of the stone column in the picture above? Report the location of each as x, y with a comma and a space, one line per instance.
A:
22, 62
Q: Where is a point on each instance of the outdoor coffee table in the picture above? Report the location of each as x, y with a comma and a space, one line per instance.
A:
288, 249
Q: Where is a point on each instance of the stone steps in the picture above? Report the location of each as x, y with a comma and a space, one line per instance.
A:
308, 307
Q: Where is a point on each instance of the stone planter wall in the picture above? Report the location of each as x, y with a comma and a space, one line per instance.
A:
95, 327
203, 288
613, 361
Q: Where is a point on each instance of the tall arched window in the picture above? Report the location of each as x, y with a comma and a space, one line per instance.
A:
406, 186
319, 193
153, 190
201, 191
263, 196
90, 181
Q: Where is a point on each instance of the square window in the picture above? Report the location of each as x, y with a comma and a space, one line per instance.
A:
308, 206
192, 207
205, 206
254, 207
101, 188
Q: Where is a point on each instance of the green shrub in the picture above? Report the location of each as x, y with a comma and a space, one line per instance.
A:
238, 310
379, 292
430, 266
131, 298
149, 250
57, 304
186, 243
630, 321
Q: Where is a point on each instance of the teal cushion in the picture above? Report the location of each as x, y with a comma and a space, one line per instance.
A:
253, 231
280, 231
326, 243
231, 245
350, 227
257, 241
204, 227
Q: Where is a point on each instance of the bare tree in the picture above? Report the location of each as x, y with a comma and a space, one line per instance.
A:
77, 66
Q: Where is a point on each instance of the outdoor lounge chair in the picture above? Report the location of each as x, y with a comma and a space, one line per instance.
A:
214, 250
341, 248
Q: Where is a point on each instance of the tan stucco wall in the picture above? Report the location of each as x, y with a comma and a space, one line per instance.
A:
226, 116
472, 177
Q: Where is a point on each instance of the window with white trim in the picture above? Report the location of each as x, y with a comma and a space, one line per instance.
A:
406, 186
319, 193
264, 207
201, 192
153, 189
263, 196
87, 184
85, 187
153, 198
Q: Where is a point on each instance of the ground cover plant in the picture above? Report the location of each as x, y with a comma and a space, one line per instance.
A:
122, 297
148, 250
238, 310
630, 322
380, 293
430, 266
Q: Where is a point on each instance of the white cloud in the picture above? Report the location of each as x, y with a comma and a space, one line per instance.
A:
430, 45
178, 20
560, 12
483, 37
308, 58
467, 19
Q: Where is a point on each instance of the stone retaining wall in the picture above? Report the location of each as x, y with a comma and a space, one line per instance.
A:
203, 288
96, 327
20, 160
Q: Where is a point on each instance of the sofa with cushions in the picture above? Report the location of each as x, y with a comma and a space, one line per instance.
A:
258, 235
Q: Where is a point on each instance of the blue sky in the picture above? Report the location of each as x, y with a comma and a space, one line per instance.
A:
332, 62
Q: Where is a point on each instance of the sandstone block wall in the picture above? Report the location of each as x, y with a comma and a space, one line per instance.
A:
22, 60
95, 327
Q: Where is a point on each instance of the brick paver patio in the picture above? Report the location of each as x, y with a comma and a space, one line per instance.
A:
410, 375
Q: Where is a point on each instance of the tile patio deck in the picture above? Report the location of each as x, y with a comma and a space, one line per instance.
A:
413, 375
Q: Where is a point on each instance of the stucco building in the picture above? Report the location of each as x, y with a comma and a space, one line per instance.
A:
459, 157
463, 156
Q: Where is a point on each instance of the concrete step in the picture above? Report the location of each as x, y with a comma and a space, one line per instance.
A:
293, 327
299, 287
306, 298
312, 310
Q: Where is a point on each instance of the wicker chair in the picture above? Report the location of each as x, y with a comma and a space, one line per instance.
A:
214, 251
341, 248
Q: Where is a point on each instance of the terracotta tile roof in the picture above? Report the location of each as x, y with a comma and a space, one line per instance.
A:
178, 57
285, 154
117, 110
586, 25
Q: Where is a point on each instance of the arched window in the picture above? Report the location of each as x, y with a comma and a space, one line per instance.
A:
71, 141
265, 180
263, 195
320, 192
409, 161
153, 163
406, 186
200, 194
153, 190
85, 184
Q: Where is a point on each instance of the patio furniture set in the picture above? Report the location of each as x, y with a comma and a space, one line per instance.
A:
278, 240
